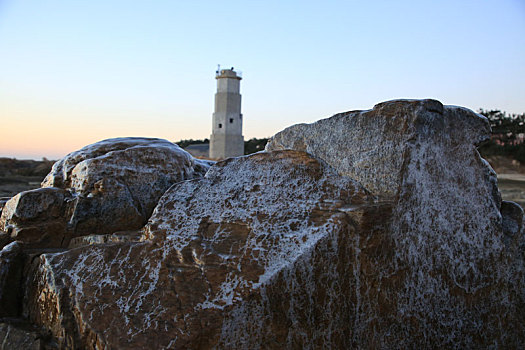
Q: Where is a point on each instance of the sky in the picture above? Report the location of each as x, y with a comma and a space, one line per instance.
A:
75, 72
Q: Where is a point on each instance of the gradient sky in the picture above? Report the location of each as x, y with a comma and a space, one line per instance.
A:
76, 72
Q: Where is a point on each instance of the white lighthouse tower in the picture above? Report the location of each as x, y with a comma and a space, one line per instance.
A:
226, 138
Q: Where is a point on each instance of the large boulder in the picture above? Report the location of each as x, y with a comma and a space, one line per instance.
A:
373, 146
118, 182
112, 185
209, 247
371, 229
449, 226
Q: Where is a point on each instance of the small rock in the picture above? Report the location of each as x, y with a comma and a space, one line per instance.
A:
11, 265
37, 216
20, 335
110, 186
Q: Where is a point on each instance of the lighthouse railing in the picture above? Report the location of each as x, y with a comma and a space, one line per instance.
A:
219, 72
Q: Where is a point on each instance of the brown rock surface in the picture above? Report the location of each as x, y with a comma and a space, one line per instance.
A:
5, 239
117, 237
118, 182
370, 146
14, 338
37, 216
462, 279
19, 335
214, 242
110, 186
286, 250
10, 279
3, 201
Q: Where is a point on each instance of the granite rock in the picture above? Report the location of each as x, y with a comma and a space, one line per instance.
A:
112, 185
371, 146
117, 182
38, 216
11, 264
17, 334
370, 229
462, 277
116, 237
209, 247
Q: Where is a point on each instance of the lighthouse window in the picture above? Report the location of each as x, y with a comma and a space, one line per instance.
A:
220, 126
231, 120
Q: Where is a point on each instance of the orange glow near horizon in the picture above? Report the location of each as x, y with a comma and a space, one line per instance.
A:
37, 131
34, 127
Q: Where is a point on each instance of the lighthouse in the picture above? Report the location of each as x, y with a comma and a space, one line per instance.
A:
226, 138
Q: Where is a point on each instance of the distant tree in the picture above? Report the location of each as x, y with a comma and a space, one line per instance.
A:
251, 146
186, 143
508, 135
18, 167
254, 145
505, 127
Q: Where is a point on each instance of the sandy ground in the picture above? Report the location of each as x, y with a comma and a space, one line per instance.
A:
9, 186
512, 188
511, 177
